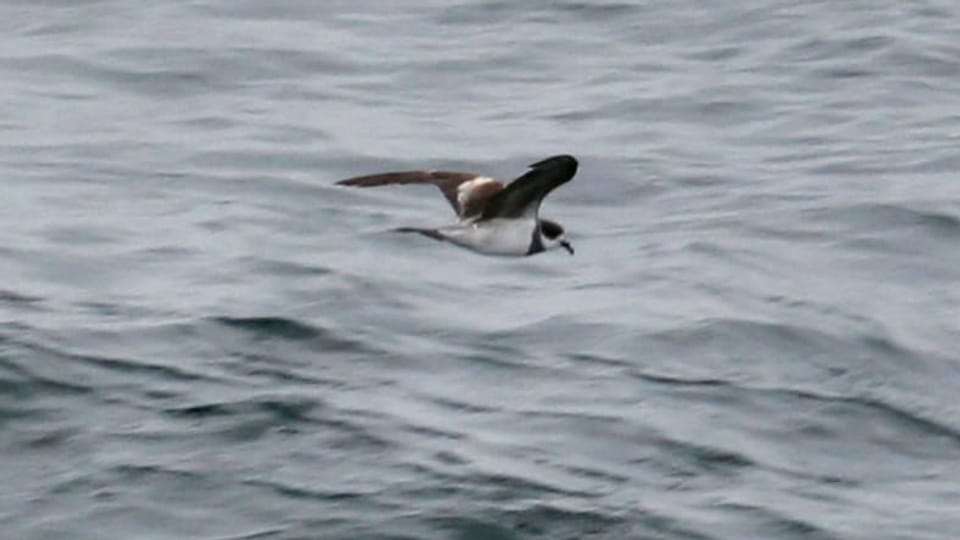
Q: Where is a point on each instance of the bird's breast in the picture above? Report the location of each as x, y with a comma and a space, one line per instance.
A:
509, 237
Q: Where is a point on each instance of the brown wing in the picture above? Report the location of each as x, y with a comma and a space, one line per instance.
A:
466, 192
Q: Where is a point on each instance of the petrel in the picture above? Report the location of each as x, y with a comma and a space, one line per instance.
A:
494, 219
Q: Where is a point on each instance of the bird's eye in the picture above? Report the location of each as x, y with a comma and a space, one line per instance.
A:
550, 229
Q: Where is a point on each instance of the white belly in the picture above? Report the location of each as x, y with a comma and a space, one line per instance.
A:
493, 237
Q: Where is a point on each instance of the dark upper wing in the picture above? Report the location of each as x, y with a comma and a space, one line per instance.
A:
524, 195
464, 202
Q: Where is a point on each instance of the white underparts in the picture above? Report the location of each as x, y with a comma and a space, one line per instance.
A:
511, 237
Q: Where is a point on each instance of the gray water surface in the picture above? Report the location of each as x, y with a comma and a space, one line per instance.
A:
202, 337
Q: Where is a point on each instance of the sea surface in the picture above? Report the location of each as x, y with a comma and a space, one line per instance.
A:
202, 337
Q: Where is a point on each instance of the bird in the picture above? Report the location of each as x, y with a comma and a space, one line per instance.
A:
493, 218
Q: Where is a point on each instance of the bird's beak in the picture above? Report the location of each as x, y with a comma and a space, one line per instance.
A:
566, 245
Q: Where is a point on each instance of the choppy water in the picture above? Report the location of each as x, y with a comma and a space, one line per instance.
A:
201, 337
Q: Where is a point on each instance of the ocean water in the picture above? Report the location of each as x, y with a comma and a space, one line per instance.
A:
202, 337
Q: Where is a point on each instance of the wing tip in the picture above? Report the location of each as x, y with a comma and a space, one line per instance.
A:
565, 160
379, 179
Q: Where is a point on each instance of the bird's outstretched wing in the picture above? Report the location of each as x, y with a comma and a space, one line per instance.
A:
468, 193
523, 196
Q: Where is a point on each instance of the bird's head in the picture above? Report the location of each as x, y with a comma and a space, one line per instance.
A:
553, 236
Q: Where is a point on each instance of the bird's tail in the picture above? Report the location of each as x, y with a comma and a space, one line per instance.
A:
429, 233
